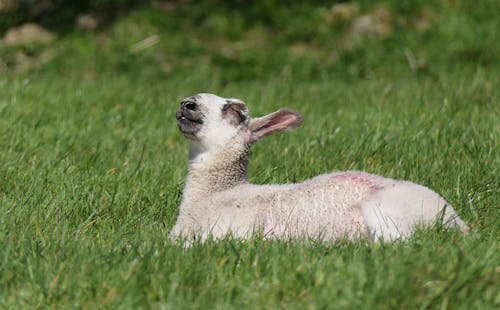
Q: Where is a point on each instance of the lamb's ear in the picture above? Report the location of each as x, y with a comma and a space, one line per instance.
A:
236, 111
281, 120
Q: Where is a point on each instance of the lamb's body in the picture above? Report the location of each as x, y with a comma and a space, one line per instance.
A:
325, 207
219, 201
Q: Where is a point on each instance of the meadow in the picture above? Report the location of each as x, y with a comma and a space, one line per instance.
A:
92, 164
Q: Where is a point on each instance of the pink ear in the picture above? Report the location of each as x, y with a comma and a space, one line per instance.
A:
281, 120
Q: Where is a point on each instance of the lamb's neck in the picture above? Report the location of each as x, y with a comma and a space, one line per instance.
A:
210, 172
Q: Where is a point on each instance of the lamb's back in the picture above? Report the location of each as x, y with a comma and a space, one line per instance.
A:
326, 206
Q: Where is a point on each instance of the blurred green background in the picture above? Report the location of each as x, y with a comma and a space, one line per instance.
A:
246, 40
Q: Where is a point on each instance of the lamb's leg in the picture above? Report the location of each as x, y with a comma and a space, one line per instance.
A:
393, 212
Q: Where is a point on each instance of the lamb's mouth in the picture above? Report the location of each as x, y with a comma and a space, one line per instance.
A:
188, 124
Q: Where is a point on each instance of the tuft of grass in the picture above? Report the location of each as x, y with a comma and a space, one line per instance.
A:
92, 166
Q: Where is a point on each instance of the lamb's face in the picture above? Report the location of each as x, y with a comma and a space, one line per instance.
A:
209, 121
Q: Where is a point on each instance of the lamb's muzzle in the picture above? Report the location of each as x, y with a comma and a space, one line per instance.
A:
218, 200
189, 119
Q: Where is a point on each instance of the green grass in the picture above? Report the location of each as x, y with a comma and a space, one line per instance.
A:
92, 166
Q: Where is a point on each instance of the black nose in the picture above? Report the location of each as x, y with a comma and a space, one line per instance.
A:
189, 105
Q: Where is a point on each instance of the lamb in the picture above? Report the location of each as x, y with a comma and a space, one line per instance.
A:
219, 201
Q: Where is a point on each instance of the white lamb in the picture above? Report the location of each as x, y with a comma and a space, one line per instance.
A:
218, 200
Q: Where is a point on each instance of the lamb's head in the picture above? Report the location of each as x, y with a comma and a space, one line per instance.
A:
210, 122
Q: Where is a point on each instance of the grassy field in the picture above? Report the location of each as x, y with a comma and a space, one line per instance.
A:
92, 165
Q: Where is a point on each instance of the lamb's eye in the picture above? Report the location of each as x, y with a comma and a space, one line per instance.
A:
190, 105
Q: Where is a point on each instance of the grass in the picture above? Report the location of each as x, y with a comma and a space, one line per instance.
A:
92, 166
